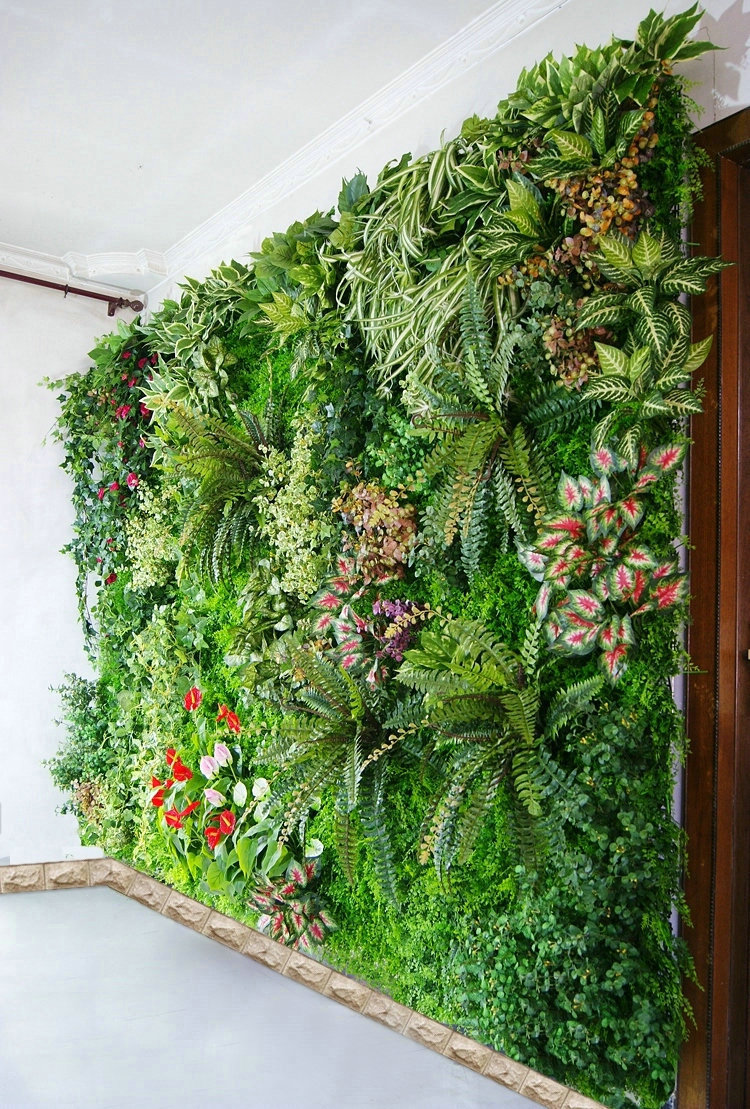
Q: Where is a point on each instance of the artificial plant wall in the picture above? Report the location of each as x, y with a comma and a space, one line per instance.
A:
378, 562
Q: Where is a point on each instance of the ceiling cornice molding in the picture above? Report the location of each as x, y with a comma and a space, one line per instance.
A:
473, 44
83, 267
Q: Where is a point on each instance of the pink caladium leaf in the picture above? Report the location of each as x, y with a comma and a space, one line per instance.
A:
571, 524
551, 540
569, 493
586, 486
663, 570
608, 545
601, 493
329, 601
584, 603
666, 594
601, 587
625, 632
553, 629
622, 581
631, 511
578, 641
646, 478
614, 662
641, 581
323, 623
666, 458
558, 571
541, 604
604, 460
640, 558
534, 560
607, 637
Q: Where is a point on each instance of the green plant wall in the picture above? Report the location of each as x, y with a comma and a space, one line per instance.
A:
378, 562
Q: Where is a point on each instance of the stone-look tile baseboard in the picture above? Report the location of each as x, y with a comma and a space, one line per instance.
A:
32, 877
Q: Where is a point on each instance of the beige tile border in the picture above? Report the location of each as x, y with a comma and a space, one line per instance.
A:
71, 874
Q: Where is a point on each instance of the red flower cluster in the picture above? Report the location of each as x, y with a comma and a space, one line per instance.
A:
231, 718
158, 798
175, 818
220, 824
193, 698
181, 772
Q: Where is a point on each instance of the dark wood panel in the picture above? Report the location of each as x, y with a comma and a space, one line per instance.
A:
714, 1065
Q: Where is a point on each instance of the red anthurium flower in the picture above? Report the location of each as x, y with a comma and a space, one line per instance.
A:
190, 808
171, 755
193, 698
233, 723
173, 818
158, 798
227, 822
181, 772
213, 837
223, 712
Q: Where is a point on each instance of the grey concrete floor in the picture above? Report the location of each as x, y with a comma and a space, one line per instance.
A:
105, 1004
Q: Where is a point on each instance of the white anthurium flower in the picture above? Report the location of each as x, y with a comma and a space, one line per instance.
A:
239, 793
313, 849
260, 788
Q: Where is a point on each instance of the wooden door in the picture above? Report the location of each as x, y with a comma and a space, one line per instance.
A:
714, 1071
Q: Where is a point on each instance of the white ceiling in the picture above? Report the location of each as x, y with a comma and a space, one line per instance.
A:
126, 125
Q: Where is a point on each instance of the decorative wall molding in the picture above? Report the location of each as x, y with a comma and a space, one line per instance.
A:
473, 44
85, 267
318, 976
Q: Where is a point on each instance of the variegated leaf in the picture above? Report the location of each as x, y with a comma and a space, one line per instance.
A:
571, 524
572, 146
534, 561
602, 311
614, 662
639, 363
640, 558
653, 329
569, 493
522, 199
646, 254
541, 604
525, 223
587, 488
611, 359
621, 581
631, 510
698, 354
577, 641
605, 461
663, 570
616, 249
585, 604
612, 389
668, 593
667, 458
646, 477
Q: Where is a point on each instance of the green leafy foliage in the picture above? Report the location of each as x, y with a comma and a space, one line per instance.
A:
278, 482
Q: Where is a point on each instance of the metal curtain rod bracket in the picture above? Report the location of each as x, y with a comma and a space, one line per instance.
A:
113, 302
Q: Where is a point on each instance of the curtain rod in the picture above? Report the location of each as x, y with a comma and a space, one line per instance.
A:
113, 302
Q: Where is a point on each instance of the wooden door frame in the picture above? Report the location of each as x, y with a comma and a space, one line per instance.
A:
716, 796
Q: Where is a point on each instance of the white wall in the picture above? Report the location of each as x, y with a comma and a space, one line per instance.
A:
723, 87
41, 334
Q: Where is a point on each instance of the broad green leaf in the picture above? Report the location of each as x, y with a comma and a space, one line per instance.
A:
616, 249
611, 359
698, 354
572, 145
646, 253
